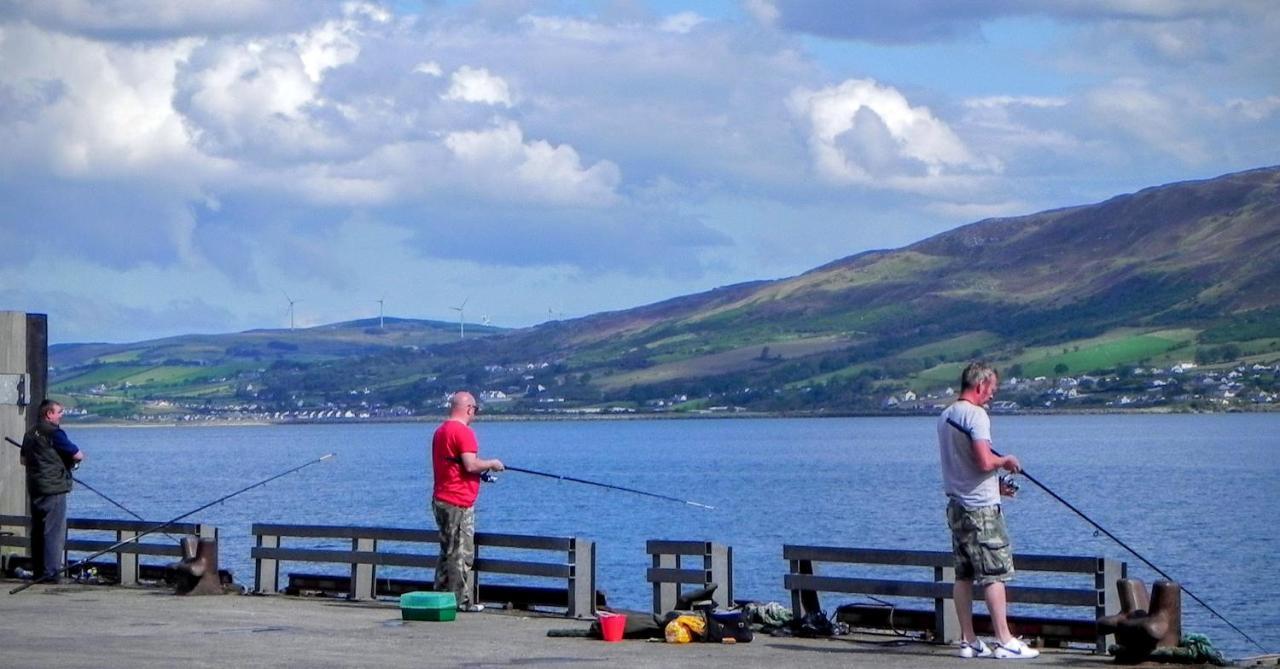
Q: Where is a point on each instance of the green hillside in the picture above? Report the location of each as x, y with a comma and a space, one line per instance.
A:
1182, 273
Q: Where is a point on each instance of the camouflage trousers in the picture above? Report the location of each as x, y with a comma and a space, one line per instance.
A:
457, 526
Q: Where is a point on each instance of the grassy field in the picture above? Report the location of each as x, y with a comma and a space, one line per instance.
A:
938, 376
145, 375
960, 347
1121, 347
1086, 355
720, 363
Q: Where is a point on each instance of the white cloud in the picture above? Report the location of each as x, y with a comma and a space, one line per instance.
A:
504, 166
477, 85
681, 23
429, 68
1256, 109
764, 11
90, 109
329, 46
998, 101
1157, 119
571, 29
164, 19
863, 132
973, 211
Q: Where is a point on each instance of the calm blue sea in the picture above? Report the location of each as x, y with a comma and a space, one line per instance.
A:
1195, 494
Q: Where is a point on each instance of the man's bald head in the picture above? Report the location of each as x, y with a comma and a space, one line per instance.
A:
462, 406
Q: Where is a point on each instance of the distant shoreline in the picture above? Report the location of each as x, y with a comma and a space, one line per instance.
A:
743, 415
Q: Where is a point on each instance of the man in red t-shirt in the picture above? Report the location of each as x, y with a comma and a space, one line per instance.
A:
457, 466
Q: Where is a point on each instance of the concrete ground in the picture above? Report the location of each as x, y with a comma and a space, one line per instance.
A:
68, 626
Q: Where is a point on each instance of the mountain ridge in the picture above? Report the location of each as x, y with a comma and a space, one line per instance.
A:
1163, 273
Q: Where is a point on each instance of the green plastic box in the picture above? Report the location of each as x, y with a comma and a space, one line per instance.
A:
432, 606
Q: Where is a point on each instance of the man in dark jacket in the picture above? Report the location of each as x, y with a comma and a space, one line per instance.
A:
49, 456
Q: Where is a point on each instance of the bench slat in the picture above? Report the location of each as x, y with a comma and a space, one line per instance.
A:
662, 547
133, 547
1061, 563
345, 532
868, 556
867, 586
671, 575
1059, 596
523, 568
528, 541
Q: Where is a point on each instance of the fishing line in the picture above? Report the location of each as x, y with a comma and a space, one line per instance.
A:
169, 522
101, 494
606, 485
1124, 545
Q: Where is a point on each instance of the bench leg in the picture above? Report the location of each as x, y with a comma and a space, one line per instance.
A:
803, 601
946, 621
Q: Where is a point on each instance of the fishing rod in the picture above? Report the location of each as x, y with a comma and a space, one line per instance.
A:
1122, 544
101, 494
1139, 556
169, 522
606, 485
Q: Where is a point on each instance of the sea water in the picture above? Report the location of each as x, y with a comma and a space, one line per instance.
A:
1194, 494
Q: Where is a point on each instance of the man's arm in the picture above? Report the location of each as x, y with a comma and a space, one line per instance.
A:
62, 444
473, 464
989, 461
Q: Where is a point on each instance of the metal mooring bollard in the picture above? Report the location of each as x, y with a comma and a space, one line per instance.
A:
197, 573
1141, 627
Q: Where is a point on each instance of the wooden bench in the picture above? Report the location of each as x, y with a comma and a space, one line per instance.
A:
575, 563
1100, 598
714, 564
128, 568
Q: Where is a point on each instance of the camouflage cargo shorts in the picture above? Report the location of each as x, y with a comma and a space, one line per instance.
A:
454, 573
980, 543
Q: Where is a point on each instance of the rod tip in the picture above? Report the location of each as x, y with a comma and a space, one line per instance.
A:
326, 456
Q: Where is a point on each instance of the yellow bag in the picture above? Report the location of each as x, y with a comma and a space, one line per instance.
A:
685, 629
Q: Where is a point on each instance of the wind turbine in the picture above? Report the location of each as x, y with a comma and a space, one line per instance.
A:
380, 301
291, 303
461, 317
484, 319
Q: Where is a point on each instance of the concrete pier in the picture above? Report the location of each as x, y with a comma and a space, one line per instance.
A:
69, 626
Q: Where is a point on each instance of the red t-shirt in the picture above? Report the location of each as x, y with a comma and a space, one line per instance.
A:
452, 483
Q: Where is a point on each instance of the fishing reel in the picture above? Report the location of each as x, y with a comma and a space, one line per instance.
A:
1010, 484
487, 476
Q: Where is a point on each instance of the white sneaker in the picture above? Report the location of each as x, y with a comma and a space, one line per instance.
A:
471, 608
1015, 649
974, 649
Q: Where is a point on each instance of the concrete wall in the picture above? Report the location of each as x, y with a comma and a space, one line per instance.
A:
23, 350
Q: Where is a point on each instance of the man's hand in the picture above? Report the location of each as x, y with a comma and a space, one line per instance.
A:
495, 465
1011, 464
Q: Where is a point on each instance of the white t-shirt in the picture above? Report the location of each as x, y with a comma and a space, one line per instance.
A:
962, 480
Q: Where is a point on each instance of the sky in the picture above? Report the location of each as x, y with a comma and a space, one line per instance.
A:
171, 167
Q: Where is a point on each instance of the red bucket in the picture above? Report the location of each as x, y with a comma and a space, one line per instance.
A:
611, 625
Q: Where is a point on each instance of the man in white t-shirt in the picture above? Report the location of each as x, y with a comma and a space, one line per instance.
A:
979, 538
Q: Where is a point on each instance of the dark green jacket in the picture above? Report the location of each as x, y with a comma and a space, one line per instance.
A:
49, 455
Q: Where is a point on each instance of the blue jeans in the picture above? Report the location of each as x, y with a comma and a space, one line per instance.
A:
48, 535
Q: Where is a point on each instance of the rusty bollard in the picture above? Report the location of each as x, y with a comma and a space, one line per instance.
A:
1142, 625
1133, 601
197, 573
